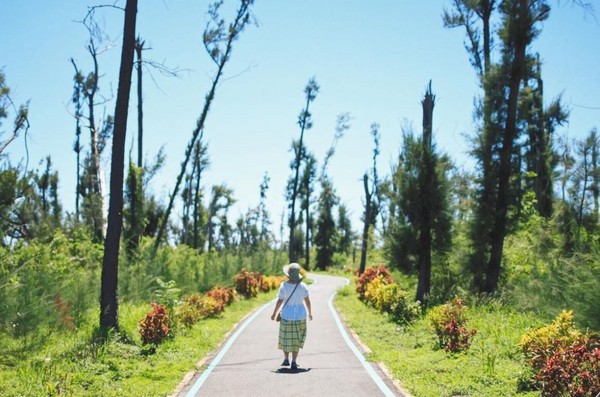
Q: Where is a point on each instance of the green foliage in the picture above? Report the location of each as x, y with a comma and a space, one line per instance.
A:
539, 275
167, 293
33, 275
417, 171
326, 231
449, 322
154, 327
133, 212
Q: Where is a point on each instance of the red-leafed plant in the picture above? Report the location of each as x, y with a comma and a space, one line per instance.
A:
154, 327
226, 295
246, 283
564, 361
449, 322
66, 320
572, 371
369, 275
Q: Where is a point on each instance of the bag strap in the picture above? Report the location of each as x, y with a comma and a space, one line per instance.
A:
288, 299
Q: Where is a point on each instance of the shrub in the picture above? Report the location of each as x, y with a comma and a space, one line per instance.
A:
563, 360
573, 370
368, 276
540, 344
195, 307
449, 322
167, 293
65, 318
154, 327
246, 283
274, 281
391, 299
263, 285
226, 295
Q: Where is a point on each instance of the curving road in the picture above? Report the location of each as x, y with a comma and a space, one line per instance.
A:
331, 365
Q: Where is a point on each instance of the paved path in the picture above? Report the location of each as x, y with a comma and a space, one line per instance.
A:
248, 363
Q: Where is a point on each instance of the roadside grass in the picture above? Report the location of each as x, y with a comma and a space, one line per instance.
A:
491, 367
69, 363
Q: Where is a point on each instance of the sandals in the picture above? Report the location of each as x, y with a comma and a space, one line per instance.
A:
285, 363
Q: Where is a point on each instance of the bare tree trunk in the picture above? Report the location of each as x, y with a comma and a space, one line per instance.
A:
108, 293
425, 182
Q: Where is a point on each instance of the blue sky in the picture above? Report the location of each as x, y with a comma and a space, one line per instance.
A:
372, 59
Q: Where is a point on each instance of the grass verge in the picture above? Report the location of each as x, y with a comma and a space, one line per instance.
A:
491, 367
68, 364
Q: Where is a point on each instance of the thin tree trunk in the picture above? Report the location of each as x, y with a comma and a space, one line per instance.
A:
367, 224
295, 187
307, 238
197, 198
108, 294
139, 46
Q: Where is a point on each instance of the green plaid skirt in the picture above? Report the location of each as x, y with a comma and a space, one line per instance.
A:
292, 334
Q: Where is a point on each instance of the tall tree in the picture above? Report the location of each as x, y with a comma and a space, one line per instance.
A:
194, 217
87, 94
305, 123
21, 122
583, 190
108, 293
263, 213
520, 18
371, 199
326, 227
426, 187
476, 18
307, 186
218, 40
218, 229
345, 234
501, 122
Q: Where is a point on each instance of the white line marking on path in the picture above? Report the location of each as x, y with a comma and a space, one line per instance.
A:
376, 378
200, 381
